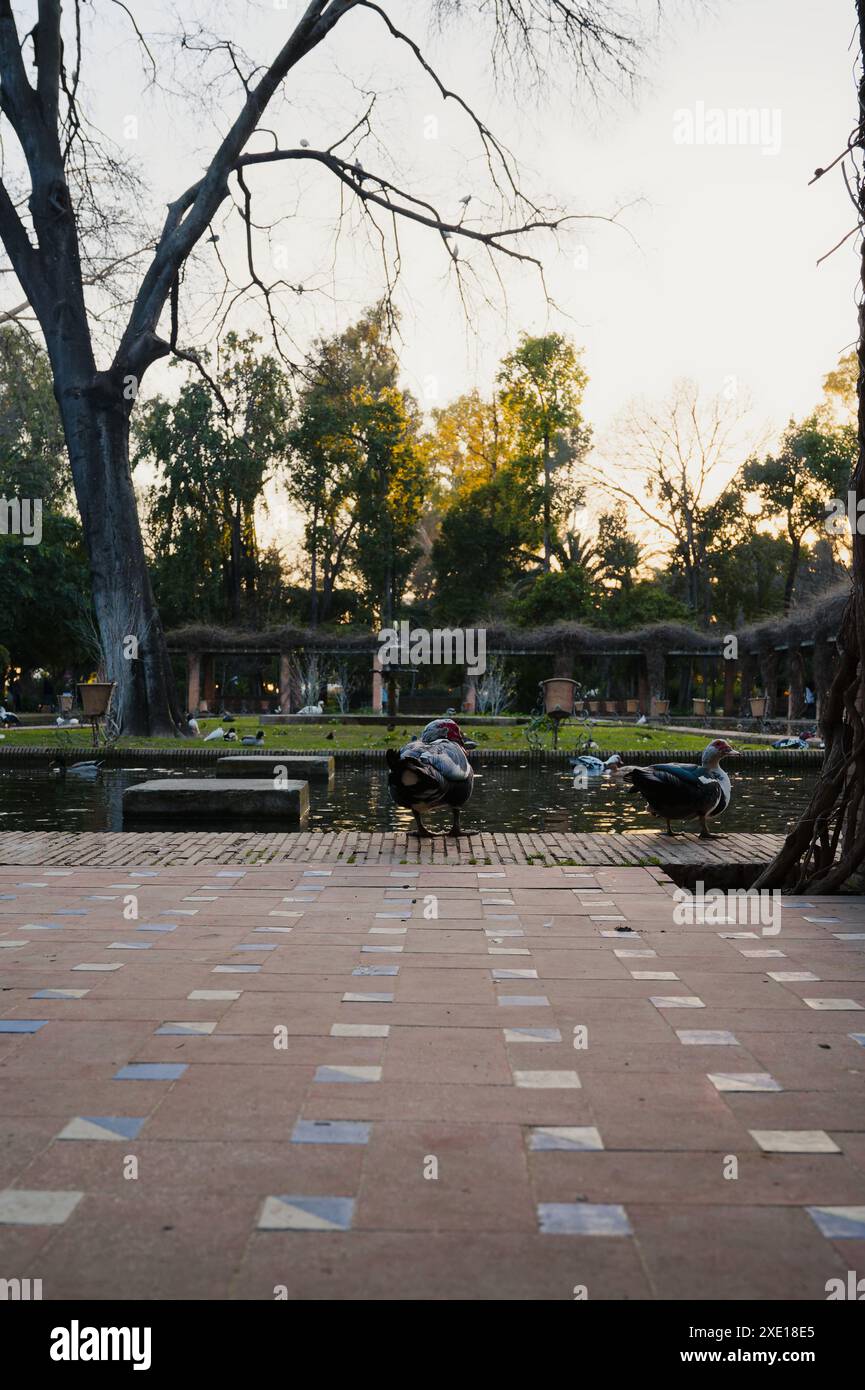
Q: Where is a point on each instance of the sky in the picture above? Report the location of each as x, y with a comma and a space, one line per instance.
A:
710, 270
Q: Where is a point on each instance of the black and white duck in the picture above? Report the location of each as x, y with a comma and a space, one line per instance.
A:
687, 791
430, 771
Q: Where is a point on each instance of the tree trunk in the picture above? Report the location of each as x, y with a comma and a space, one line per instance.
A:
547, 509
827, 847
313, 572
792, 571
133, 642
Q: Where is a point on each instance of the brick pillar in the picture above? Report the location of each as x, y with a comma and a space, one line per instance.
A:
193, 681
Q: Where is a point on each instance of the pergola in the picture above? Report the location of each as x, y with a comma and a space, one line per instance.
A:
762, 655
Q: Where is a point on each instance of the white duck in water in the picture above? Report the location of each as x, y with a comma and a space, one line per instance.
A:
596, 767
678, 791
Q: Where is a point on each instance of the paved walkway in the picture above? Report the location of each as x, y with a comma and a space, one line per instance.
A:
646, 848
444, 1082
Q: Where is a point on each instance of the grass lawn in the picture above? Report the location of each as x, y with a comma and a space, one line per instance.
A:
302, 737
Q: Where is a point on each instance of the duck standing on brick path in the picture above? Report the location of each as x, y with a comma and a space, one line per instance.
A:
679, 791
432, 770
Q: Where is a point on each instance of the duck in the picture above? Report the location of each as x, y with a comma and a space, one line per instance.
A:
214, 734
230, 736
432, 770
596, 767
687, 791
193, 726
312, 709
81, 769
255, 741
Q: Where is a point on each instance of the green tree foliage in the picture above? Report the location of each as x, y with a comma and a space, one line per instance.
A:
560, 595
44, 588
541, 386
360, 470
214, 452
33, 459
485, 539
796, 484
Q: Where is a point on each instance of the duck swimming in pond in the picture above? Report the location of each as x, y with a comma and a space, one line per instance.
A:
596, 767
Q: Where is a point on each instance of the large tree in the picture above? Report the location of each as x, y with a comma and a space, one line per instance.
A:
214, 453
60, 211
811, 466
359, 472
826, 849
541, 390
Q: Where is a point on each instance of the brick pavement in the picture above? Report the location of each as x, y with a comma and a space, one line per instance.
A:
439, 1082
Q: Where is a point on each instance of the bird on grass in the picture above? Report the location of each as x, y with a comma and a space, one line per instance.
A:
432, 770
679, 791
253, 741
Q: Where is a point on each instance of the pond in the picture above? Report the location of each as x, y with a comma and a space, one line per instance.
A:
507, 796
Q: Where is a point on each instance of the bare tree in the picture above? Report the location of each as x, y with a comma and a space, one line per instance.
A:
76, 194
496, 691
669, 463
826, 849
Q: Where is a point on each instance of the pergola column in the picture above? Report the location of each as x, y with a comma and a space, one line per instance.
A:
746, 666
285, 682
769, 677
730, 671
643, 692
193, 681
796, 697
376, 683
209, 696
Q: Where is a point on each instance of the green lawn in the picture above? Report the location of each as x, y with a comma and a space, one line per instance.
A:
281, 737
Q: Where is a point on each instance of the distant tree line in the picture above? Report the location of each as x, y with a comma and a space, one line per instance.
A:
477, 511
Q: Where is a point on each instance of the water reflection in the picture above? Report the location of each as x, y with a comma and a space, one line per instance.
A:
507, 797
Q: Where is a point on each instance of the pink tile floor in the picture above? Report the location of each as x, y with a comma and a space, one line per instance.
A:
376, 1082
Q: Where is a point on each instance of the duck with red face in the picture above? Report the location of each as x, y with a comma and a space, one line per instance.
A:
678, 791
432, 770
